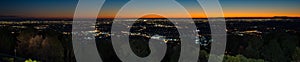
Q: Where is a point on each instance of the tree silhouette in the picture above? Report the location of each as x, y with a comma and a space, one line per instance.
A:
45, 47
240, 58
296, 55
278, 47
7, 41
273, 52
254, 46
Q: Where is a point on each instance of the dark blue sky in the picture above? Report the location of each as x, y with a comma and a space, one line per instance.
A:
65, 8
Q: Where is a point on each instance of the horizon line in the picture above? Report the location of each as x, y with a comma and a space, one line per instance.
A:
163, 17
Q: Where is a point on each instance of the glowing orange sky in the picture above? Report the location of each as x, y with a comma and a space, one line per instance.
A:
201, 14
231, 8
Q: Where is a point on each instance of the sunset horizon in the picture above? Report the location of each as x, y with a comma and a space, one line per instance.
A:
231, 8
149, 31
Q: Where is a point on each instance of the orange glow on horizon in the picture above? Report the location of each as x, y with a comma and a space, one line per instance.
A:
152, 16
201, 14
198, 14
225, 15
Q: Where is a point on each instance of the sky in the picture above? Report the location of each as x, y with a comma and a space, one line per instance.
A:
231, 8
